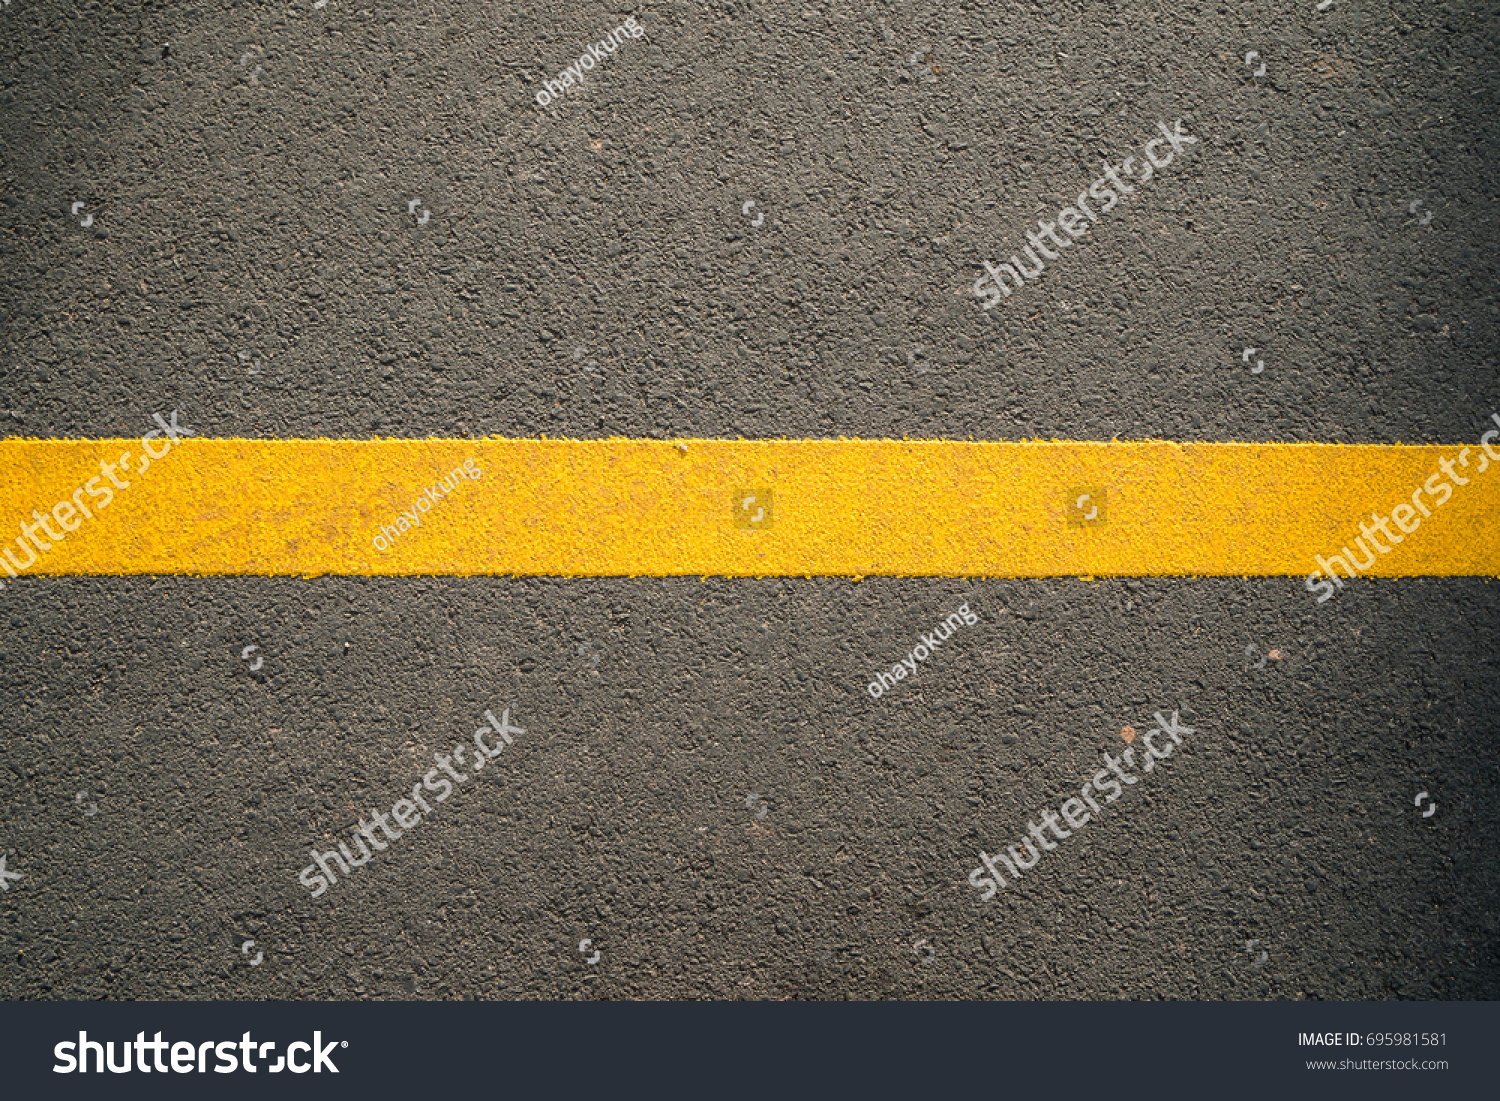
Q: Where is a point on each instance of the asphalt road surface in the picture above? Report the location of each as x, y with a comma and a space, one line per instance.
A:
352, 222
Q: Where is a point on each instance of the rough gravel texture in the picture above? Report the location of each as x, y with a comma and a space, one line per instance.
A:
589, 270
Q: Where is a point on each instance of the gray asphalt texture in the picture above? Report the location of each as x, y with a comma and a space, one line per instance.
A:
587, 270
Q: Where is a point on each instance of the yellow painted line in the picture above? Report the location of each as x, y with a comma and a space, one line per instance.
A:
836, 507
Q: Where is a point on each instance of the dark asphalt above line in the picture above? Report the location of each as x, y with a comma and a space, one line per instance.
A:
587, 269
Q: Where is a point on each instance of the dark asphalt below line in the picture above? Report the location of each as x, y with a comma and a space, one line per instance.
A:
654, 709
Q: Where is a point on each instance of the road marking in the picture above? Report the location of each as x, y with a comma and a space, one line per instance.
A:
628, 507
